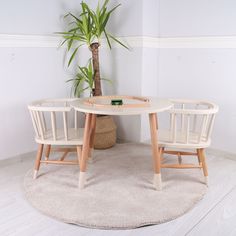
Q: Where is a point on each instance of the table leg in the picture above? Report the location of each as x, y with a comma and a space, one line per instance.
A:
92, 135
85, 151
155, 151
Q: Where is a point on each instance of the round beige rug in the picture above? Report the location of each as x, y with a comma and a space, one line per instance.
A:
119, 193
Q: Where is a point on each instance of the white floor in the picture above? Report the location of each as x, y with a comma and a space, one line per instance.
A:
214, 215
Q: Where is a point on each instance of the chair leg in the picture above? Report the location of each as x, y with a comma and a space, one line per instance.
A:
204, 165
90, 156
161, 151
198, 156
38, 159
47, 152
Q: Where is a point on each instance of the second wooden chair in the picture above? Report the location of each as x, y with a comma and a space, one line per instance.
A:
190, 128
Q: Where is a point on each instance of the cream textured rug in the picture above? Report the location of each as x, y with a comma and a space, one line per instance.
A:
119, 193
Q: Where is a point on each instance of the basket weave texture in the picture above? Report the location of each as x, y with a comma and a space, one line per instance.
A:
105, 134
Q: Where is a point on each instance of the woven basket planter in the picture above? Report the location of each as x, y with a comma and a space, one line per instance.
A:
105, 134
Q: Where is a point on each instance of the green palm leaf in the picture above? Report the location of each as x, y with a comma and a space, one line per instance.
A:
88, 27
118, 41
72, 56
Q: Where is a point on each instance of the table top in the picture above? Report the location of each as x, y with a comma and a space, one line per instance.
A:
142, 105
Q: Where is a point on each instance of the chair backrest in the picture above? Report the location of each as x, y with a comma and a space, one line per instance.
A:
192, 121
51, 115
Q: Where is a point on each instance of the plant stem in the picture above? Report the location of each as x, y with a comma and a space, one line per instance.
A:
97, 91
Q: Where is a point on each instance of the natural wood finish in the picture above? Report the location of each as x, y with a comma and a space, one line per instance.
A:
65, 153
38, 157
86, 146
179, 158
92, 101
153, 105
64, 149
60, 162
154, 140
92, 135
93, 128
79, 153
47, 152
198, 157
180, 166
203, 161
161, 151
180, 152
64, 156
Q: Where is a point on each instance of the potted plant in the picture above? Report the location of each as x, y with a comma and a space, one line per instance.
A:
89, 27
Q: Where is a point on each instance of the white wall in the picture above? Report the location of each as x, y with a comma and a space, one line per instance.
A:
150, 84
127, 19
28, 73
34, 17
151, 18
150, 59
204, 74
197, 18
207, 73
46, 17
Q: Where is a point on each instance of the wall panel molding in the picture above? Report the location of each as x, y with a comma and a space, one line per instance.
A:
7, 40
190, 42
53, 41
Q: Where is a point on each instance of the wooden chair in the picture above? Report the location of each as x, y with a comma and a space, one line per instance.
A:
55, 123
190, 128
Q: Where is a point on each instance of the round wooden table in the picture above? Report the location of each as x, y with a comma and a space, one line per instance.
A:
131, 106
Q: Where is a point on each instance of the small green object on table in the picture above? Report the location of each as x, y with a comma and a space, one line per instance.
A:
116, 102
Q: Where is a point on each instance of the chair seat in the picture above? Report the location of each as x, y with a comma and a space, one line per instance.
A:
165, 140
75, 137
